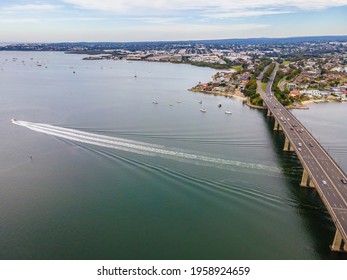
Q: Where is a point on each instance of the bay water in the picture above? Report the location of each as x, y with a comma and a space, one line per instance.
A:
196, 185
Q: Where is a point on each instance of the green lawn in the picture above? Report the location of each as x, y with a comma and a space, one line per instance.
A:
263, 86
237, 67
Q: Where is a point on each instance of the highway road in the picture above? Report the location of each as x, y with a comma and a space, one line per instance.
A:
328, 178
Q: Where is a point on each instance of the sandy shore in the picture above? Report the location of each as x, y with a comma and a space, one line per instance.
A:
237, 94
317, 101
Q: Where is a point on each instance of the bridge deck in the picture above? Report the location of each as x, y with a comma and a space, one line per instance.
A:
322, 169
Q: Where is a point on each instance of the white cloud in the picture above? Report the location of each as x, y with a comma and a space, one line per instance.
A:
243, 13
19, 20
156, 20
88, 19
31, 7
167, 6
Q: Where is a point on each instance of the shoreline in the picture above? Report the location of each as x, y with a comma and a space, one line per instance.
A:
306, 102
238, 96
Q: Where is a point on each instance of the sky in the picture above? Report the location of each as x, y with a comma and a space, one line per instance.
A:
167, 20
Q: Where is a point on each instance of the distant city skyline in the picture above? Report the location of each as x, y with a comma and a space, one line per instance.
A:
166, 20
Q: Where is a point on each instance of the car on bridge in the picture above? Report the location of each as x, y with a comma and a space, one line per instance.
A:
344, 181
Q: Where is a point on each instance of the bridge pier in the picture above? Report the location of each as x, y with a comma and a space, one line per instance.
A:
276, 126
288, 147
337, 243
304, 179
269, 114
311, 184
286, 144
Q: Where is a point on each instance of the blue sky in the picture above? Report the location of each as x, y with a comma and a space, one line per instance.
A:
153, 20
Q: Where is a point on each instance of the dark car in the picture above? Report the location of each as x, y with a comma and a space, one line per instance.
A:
344, 181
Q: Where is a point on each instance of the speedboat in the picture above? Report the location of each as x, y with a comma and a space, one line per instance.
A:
228, 112
155, 102
203, 110
200, 102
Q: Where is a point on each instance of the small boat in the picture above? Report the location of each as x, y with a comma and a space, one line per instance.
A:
219, 105
200, 101
228, 112
155, 102
203, 110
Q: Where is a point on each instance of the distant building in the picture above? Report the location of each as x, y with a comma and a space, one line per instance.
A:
291, 86
312, 92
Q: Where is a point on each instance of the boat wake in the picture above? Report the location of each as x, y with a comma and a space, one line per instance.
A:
138, 147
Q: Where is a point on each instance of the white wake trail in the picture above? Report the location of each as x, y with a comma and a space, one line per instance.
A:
134, 146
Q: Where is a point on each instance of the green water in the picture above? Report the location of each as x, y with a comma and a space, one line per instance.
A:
75, 200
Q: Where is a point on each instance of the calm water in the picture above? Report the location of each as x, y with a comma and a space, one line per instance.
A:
236, 196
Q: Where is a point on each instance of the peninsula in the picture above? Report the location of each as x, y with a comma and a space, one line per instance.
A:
311, 69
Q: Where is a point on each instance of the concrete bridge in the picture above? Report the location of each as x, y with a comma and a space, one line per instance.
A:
320, 170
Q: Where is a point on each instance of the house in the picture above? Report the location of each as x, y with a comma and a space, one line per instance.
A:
291, 86
294, 94
312, 92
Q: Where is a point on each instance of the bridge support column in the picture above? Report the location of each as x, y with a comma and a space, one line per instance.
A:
304, 179
286, 144
288, 147
269, 114
336, 246
276, 126
311, 184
